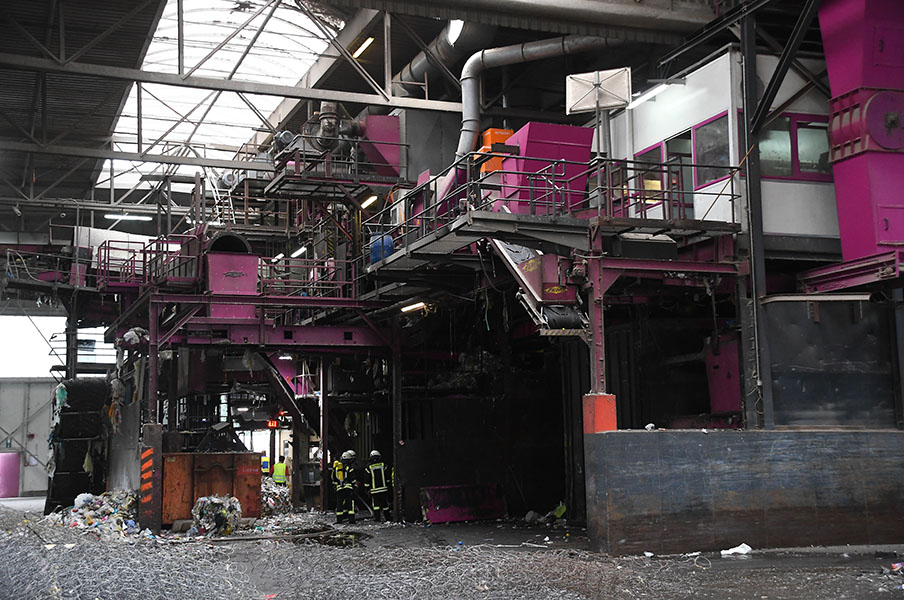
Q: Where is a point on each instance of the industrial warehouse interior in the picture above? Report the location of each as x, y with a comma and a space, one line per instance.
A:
509, 299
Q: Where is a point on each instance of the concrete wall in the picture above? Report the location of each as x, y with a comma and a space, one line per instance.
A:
680, 491
25, 422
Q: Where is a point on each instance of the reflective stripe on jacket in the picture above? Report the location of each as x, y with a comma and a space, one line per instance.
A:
377, 477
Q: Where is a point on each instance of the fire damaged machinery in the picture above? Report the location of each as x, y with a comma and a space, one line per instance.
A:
550, 314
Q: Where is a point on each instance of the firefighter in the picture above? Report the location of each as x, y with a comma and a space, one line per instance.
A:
375, 480
344, 477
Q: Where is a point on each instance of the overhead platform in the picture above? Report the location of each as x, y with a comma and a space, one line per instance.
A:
675, 228
439, 245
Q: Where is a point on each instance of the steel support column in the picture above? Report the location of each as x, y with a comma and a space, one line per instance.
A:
325, 479
397, 475
72, 338
755, 220
898, 296
153, 335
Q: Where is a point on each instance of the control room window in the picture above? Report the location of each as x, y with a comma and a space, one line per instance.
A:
775, 149
813, 147
711, 151
794, 147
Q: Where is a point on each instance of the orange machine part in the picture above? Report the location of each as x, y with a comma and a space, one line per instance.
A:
493, 136
599, 413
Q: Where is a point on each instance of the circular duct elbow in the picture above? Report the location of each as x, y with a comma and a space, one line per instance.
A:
226, 241
453, 43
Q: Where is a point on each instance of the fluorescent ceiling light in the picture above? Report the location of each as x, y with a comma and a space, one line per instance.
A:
126, 217
286, 357
648, 95
453, 31
299, 252
241, 409
364, 45
368, 202
415, 306
279, 256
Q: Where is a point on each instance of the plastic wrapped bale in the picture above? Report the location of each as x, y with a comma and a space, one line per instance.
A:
216, 515
275, 498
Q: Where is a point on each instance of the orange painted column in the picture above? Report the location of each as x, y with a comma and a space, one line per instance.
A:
599, 413
150, 487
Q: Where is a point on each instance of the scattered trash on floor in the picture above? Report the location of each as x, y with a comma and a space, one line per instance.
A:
112, 514
649, 554
215, 515
737, 550
650, 427
275, 498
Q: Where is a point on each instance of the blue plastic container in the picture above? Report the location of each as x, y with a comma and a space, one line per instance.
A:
381, 246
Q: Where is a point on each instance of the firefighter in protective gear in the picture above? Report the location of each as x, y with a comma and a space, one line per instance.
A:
344, 478
375, 480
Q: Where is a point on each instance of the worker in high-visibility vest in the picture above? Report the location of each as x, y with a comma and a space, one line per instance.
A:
279, 471
265, 464
344, 477
375, 480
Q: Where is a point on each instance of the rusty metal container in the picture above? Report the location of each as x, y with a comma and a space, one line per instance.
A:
188, 476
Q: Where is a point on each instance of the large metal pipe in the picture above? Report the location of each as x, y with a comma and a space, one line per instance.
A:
453, 43
509, 55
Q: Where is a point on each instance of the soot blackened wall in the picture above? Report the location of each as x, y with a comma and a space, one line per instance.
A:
679, 491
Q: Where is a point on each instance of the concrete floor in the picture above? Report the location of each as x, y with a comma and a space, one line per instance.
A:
495, 560
24, 504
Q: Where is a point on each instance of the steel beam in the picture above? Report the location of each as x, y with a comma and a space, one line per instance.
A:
713, 29
29, 63
132, 156
106, 33
798, 66
784, 62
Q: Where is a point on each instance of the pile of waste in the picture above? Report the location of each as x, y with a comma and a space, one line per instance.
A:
215, 515
111, 514
275, 498
554, 518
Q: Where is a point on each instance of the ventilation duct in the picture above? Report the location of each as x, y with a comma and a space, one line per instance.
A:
454, 42
510, 55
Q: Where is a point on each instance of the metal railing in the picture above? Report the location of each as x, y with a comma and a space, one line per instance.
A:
324, 278
604, 188
66, 269
121, 263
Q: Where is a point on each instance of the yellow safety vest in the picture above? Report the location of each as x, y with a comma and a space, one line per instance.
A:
265, 465
279, 472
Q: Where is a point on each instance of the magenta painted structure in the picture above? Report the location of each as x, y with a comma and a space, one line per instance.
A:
459, 503
864, 48
230, 273
723, 374
384, 157
547, 142
10, 469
